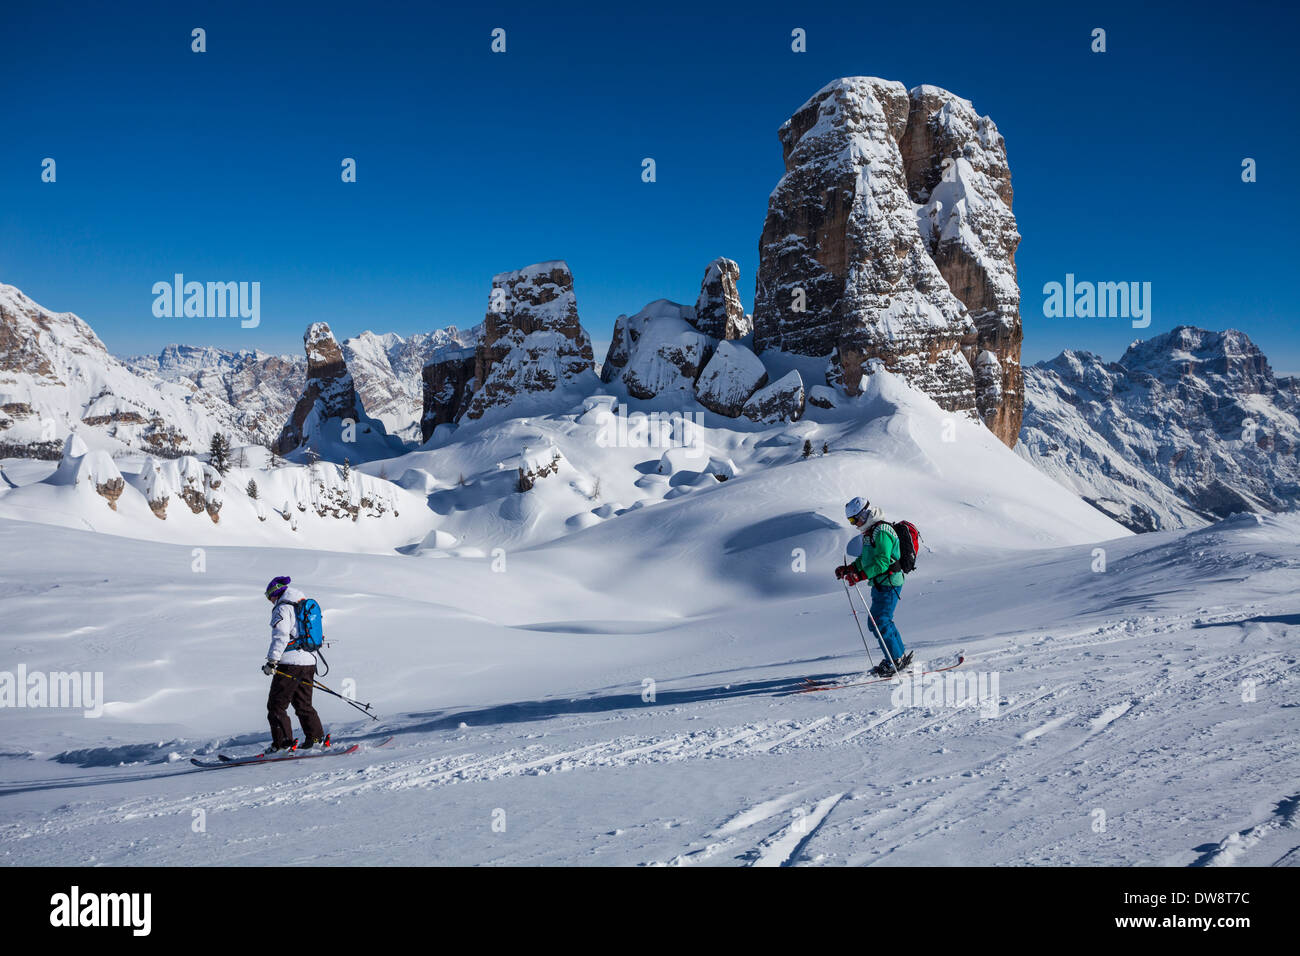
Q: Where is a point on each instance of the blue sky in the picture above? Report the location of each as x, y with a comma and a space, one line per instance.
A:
225, 165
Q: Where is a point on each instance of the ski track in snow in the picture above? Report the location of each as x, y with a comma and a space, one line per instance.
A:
780, 848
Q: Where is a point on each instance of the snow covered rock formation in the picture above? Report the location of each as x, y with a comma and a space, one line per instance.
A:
890, 230
329, 420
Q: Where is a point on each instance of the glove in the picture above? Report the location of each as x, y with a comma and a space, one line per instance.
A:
849, 574
269, 668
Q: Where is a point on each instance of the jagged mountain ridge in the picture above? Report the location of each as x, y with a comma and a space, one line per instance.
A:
1186, 427
56, 377
252, 393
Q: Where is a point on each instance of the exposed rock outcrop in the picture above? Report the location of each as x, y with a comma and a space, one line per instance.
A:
531, 343
620, 350
859, 232
671, 354
782, 401
731, 377
192, 481
328, 394
719, 313
532, 339
329, 420
448, 386
159, 481
957, 172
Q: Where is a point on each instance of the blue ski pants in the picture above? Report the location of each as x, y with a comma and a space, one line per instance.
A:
883, 603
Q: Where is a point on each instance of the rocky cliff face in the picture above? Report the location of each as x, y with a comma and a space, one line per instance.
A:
249, 393
252, 394
449, 383
861, 229
719, 313
532, 340
531, 344
329, 394
1187, 426
388, 372
956, 166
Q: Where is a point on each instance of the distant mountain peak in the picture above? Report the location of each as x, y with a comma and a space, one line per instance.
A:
1187, 426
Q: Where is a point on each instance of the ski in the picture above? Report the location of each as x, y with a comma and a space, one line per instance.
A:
224, 761
270, 758
814, 685
270, 753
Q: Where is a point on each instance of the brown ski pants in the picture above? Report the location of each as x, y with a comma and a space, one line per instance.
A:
286, 690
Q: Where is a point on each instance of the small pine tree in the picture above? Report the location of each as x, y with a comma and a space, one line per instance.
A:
346, 473
219, 453
826, 448
807, 448
252, 489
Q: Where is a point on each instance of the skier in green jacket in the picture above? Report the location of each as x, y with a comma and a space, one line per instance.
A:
879, 564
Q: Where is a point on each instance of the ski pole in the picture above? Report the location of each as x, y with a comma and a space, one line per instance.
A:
876, 627
364, 708
858, 621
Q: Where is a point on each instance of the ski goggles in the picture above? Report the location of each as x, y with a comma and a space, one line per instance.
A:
859, 519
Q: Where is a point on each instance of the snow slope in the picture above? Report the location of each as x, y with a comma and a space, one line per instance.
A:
618, 689
1119, 692
891, 443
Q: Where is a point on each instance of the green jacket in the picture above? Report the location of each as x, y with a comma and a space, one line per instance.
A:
879, 551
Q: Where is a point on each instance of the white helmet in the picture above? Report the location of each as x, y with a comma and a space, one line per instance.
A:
860, 512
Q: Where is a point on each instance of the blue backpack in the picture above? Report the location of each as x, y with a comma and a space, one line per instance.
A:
311, 631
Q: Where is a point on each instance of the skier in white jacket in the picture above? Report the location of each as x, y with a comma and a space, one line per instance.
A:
292, 671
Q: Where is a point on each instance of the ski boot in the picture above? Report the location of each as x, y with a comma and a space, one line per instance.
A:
888, 668
322, 742
281, 748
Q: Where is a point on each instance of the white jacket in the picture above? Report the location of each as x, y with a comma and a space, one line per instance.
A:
284, 628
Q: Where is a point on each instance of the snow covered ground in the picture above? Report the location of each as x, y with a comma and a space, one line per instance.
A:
621, 691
